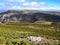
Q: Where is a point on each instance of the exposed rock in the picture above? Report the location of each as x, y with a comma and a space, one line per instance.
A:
41, 40
34, 39
32, 16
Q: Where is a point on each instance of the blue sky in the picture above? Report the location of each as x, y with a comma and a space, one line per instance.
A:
30, 4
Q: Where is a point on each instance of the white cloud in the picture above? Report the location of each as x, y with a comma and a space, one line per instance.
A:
20, 0
25, 4
42, 3
9, 0
16, 7
15, 0
30, 4
34, 4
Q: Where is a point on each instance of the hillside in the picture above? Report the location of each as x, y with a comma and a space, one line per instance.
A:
15, 32
17, 25
29, 16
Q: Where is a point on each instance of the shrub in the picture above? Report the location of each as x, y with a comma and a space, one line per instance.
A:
8, 43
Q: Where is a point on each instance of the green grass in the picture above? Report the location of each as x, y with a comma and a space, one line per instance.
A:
17, 30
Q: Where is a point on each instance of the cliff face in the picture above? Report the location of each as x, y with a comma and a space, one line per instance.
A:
30, 16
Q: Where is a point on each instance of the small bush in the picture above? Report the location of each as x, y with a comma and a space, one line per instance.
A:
8, 43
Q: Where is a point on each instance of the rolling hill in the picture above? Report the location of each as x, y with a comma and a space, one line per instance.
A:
29, 16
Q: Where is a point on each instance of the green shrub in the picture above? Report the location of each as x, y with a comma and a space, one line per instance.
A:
8, 43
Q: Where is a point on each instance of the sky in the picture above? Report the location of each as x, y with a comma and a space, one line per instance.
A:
29, 4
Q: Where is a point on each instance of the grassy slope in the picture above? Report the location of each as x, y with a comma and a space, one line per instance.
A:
18, 30
38, 29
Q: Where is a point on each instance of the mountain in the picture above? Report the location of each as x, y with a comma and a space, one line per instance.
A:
2, 11
29, 16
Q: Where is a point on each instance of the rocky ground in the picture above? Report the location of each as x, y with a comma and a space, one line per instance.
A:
45, 41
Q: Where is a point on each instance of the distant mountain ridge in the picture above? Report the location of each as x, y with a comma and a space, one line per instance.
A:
28, 16
2, 11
